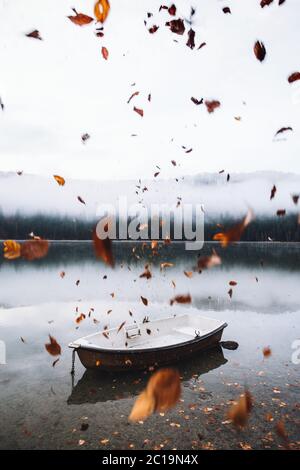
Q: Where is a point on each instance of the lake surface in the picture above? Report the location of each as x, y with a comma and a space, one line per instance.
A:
42, 407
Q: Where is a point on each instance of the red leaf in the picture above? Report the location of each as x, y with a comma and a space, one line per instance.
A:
176, 26
191, 39
294, 77
139, 111
212, 105
104, 52
103, 249
53, 347
34, 34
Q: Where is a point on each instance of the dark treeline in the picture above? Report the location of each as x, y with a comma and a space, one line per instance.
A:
55, 227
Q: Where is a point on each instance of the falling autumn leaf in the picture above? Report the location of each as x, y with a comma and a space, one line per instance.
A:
283, 129
191, 39
80, 318
85, 137
259, 50
53, 347
212, 105
80, 199
136, 93
59, 179
265, 3
34, 34
176, 26
2, 104
230, 293
234, 234
139, 111
153, 29
295, 198
226, 10
181, 299
239, 412
80, 19
172, 10
101, 10
162, 393
232, 283
144, 300
104, 53
196, 101
34, 249
267, 352
294, 77
273, 192
121, 326
281, 212
147, 274
206, 262
12, 249
103, 249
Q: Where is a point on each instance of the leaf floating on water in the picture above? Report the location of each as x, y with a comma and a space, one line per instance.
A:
181, 299
104, 53
144, 300
101, 10
231, 345
59, 179
259, 50
103, 249
212, 105
234, 234
53, 347
239, 412
80, 19
12, 249
294, 77
34, 34
162, 393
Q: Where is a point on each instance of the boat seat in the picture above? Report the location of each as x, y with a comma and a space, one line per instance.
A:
187, 331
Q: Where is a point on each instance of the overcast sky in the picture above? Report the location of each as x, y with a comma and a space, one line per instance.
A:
59, 88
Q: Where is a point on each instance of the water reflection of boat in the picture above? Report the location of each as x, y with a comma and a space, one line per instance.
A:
95, 386
151, 343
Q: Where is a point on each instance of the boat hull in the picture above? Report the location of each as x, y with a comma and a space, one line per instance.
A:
146, 358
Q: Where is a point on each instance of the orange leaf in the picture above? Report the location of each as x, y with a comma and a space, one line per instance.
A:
162, 393
101, 10
103, 249
53, 347
181, 299
234, 234
34, 249
60, 180
105, 53
12, 249
80, 19
239, 412
267, 352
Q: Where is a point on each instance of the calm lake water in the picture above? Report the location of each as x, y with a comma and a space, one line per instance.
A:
40, 407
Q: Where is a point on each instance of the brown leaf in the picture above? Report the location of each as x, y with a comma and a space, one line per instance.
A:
283, 129
191, 39
281, 212
230, 293
162, 393
172, 10
62, 274
188, 274
176, 26
34, 249
232, 283
206, 262
226, 10
181, 299
280, 2
53, 347
234, 234
55, 362
59, 179
265, 3
139, 111
273, 192
121, 326
136, 93
294, 77
85, 137
147, 274
80, 318
212, 105
153, 29
80, 199
196, 101
259, 50
144, 300
267, 352
34, 34
101, 10
103, 249
295, 198
239, 412
104, 52
80, 19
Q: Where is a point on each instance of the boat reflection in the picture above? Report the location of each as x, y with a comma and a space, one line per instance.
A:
96, 386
